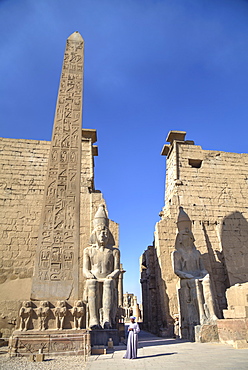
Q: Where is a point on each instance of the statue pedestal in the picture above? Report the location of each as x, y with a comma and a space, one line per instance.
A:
50, 342
121, 330
101, 337
234, 332
206, 333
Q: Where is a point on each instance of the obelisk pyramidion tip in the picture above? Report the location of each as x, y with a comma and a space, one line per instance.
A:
75, 36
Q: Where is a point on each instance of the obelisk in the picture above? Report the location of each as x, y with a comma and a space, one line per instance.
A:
56, 265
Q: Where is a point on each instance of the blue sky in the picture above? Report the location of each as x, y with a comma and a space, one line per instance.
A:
151, 66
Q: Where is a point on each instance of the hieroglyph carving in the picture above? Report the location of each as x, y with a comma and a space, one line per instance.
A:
58, 242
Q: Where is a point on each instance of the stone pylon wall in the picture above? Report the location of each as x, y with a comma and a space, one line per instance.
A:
212, 187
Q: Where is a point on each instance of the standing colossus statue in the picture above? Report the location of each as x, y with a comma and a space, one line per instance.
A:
195, 295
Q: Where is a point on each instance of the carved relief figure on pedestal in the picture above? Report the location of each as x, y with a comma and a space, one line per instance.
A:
43, 312
78, 313
25, 315
194, 289
60, 314
101, 269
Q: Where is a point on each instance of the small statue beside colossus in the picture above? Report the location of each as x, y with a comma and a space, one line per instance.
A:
101, 268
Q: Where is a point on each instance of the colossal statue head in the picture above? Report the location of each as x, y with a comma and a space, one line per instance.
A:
101, 218
101, 234
183, 221
185, 237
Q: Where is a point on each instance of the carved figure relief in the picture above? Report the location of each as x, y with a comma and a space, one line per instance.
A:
43, 313
60, 314
25, 314
78, 313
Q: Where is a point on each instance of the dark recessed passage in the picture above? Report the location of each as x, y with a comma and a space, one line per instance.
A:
195, 163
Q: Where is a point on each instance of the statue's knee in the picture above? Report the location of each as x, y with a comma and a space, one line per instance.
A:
91, 283
206, 278
108, 283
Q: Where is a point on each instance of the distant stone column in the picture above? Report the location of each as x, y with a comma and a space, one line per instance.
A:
56, 265
120, 286
136, 311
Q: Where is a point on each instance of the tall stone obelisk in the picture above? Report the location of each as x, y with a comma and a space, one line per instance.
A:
56, 266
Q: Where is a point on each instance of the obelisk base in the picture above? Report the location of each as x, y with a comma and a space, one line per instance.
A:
50, 342
206, 333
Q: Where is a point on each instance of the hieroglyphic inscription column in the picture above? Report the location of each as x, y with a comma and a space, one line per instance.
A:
56, 265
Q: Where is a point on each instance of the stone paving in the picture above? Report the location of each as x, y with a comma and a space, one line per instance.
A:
159, 353
154, 353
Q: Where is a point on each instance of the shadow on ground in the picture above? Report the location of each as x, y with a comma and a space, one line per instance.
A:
147, 339
158, 355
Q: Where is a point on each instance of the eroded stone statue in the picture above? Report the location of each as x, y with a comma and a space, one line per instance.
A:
43, 312
25, 314
101, 268
78, 313
194, 288
60, 314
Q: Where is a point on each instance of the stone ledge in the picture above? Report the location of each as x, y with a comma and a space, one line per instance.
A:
233, 331
56, 342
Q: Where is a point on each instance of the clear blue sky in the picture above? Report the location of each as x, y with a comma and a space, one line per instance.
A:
151, 66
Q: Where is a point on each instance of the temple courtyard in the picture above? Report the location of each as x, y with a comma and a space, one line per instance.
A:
153, 353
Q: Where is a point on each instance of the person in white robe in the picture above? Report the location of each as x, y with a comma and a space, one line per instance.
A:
132, 341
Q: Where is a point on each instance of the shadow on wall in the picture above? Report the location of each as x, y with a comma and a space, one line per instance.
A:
156, 317
217, 269
234, 239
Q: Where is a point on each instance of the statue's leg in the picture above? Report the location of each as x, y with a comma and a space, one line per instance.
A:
199, 293
114, 305
40, 324
208, 295
185, 303
44, 323
75, 322
92, 302
107, 301
27, 322
57, 321
62, 322
21, 324
80, 322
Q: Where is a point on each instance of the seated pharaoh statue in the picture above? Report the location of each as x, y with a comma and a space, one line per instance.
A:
194, 289
101, 267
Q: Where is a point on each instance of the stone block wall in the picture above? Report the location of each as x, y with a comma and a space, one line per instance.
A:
234, 329
23, 171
